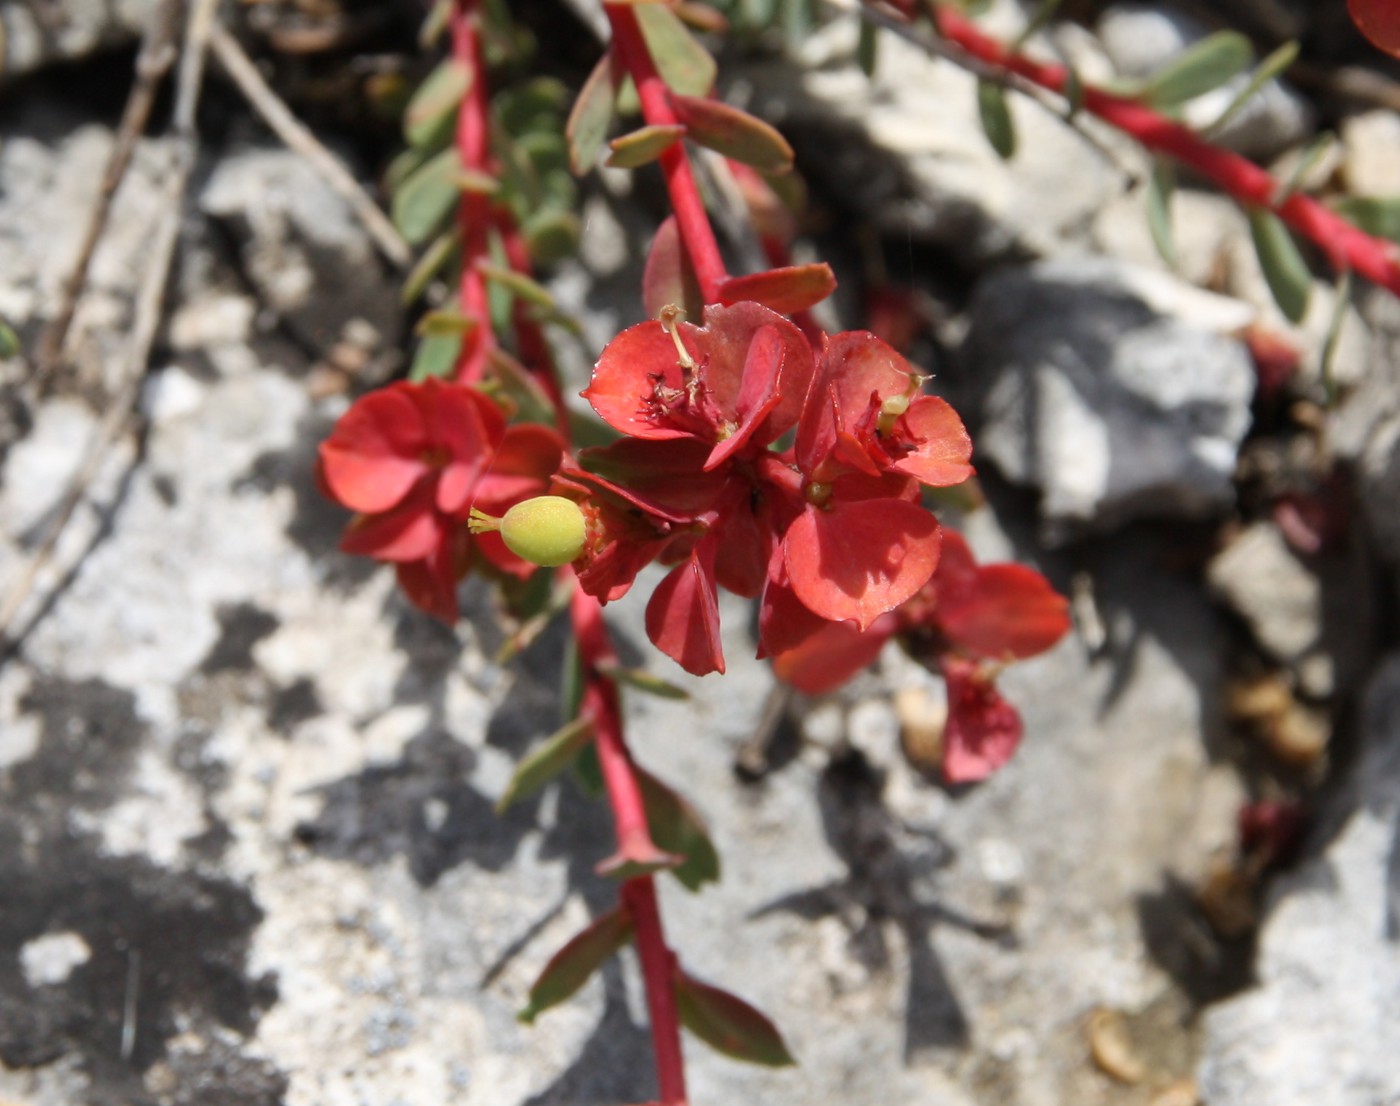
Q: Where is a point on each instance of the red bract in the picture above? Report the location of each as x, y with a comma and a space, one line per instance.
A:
967, 621
412, 460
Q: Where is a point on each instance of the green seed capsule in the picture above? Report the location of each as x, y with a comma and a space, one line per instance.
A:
547, 530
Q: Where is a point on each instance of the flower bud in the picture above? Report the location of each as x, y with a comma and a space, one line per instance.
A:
547, 530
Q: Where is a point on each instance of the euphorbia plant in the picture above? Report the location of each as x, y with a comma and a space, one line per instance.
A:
752, 452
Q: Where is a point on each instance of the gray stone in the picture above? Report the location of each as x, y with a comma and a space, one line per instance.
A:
1323, 1023
1269, 585
1109, 407
37, 34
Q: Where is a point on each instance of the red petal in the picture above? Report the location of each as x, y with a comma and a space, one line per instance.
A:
855, 365
859, 560
408, 532
373, 455
683, 615
943, 453
627, 374
758, 395
983, 729
746, 544
667, 478
728, 337
832, 655
528, 456
1001, 611
431, 585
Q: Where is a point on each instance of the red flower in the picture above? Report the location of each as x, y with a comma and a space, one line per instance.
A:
968, 621
411, 460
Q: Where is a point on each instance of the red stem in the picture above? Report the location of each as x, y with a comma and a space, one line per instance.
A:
694, 223
474, 210
1346, 246
601, 703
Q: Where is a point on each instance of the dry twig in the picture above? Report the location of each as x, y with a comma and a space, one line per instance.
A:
290, 130
149, 302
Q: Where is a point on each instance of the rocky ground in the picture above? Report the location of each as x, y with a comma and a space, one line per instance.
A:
248, 850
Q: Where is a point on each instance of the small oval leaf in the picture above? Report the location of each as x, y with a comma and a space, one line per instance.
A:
436, 356
684, 64
9, 341
427, 197
547, 761
1284, 268
995, 114
521, 286
787, 290
1376, 215
434, 259
570, 967
591, 115
677, 828
728, 1024
432, 112
639, 679
1203, 68
1271, 67
437, 323
734, 133
644, 145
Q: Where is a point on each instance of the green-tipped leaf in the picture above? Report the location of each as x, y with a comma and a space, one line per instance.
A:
728, 1024
427, 197
1203, 68
519, 285
1160, 186
551, 236
572, 966
644, 145
641, 680
432, 112
1043, 14
995, 114
437, 323
547, 761
9, 340
1340, 302
590, 116
734, 133
1284, 268
684, 64
867, 48
677, 828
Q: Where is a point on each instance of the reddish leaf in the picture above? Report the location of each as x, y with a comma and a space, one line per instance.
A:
832, 655
784, 622
682, 616
942, 451
786, 290
857, 560
734, 133
633, 366
372, 457
407, 532
570, 967
669, 278
728, 1024
644, 145
983, 729
758, 393
1000, 612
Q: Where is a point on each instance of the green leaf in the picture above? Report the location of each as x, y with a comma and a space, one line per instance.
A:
684, 64
436, 356
644, 145
1312, 155
432, 113
677, 828
572, 966
547, 761
1160, 186
434, 259
520, 286
641, 680
1340, 302
1268, 69
792, 288
588, 773
427, 197
403, 166
734, 133
537, 105
1043, 14
1203, 68
591, 116
729, 1024
435, 324
435, 24
1073, 91
551, 236
1284, 268
992, 109
9, 341
866, 48
1376, 215
515, 383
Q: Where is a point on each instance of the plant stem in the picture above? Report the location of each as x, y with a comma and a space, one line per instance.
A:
696, 232
1347, 247
474, 209
601, 703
